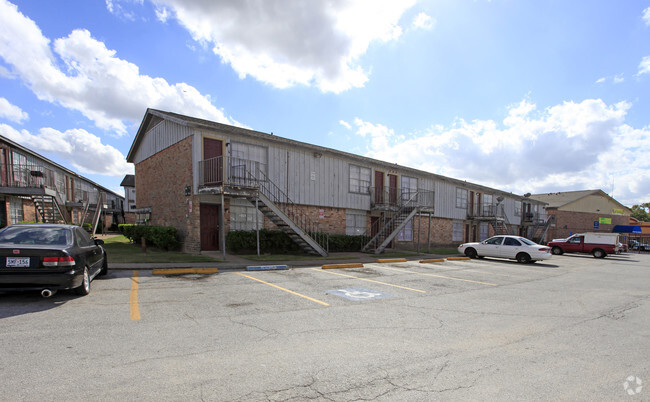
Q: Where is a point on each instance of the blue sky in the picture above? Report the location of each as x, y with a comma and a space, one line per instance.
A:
521, 95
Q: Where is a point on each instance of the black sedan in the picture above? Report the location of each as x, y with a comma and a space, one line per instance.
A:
48, 258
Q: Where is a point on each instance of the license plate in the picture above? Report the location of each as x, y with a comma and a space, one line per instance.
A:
17, 262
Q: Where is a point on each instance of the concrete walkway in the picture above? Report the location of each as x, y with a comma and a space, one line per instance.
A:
234, 262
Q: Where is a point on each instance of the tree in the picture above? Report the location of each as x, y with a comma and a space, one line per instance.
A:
641, 212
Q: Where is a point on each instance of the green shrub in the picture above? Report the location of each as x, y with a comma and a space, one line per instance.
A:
163, 237
342, 243
271, 241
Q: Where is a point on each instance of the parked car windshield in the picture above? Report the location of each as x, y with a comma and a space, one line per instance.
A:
16, 235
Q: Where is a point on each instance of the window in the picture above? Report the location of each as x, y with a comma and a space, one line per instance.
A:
483, 231
511, 242
488, 205
16, 213
495, 241
457, 232
355, 222
409, 187
247, 159
406, 234
461, 198
517, 209
83, 238
243, 216
359, 179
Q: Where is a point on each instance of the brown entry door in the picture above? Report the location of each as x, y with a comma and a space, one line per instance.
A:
392, 189
209, 227
213, 163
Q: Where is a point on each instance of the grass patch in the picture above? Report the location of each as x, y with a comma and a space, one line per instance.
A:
120, 251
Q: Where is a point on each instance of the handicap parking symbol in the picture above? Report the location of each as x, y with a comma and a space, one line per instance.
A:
359, 294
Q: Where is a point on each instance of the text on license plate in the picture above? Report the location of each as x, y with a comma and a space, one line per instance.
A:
17, 261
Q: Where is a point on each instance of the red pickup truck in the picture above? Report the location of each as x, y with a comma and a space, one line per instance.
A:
597, 244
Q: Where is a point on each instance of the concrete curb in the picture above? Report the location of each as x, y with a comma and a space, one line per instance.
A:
339, 266
458, 258
266, 267
432, 260
389, 260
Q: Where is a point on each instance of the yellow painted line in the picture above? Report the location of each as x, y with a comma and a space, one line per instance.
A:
373, 281
135, 309
336, 266
441, 276
432, 260
389, 260
177, 271
458, 258
281, 288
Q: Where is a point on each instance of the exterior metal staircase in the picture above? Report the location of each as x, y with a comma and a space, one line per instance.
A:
51, 207
538, 232
288, 217
500, 223
386, 233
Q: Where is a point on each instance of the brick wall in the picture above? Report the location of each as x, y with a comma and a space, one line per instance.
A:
434, 232
160, 185
567, 222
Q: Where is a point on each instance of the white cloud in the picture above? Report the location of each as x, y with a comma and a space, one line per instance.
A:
644, 66
601, 80
571, 146
345, 124
12, 112
646, 16
423, 21
104, 88
79, 148
292, 42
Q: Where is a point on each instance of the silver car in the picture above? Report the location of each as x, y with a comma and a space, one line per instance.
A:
511, 247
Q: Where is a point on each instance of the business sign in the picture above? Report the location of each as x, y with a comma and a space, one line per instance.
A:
605, 221
596, 224
616, 211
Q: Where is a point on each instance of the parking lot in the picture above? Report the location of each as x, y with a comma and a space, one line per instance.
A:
570, 328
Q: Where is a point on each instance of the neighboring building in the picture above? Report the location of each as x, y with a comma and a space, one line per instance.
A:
583, 211
128, 183
33, 188
206, 178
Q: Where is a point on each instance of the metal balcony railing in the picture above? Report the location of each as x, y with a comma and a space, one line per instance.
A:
385, 197
226, 170
26, 176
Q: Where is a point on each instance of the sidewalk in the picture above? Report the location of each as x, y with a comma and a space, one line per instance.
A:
234, 262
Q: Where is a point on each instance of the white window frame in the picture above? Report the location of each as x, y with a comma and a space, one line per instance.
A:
461, 197
406, 234
242, 216
409, 186
359, 179
457, 231
355, 222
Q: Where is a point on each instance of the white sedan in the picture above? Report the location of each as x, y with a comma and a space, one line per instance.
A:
512, 247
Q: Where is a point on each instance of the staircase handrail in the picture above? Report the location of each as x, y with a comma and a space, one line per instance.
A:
389, 225
289, 208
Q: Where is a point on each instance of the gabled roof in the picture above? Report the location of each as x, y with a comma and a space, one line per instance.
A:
128, 181
154, 115
558, 200
26, 150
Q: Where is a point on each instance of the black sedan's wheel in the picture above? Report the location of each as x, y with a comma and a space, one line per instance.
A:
471, 253
523, 258
556, 250
84, 289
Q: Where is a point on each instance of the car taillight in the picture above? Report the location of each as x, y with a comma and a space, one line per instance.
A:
66, 261
545, 249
